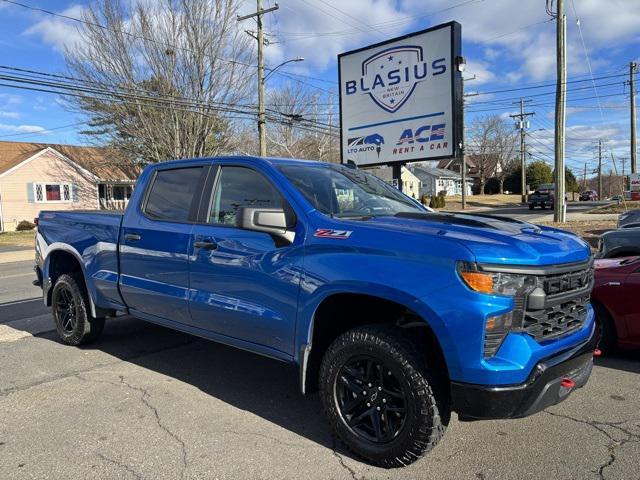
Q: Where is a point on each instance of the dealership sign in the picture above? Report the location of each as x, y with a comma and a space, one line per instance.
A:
401, 100
634, 182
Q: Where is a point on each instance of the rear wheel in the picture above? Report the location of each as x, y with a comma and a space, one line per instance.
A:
380, 398
74, 323
531, 206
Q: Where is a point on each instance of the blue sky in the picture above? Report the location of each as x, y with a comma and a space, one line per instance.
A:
509, 44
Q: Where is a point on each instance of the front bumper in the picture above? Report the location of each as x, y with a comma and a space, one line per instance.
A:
543, 388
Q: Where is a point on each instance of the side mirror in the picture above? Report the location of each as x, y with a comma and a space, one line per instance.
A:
269, 220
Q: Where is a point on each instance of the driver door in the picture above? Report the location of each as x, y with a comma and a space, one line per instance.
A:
244, 284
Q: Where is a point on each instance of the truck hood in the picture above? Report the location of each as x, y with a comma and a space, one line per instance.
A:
492, 239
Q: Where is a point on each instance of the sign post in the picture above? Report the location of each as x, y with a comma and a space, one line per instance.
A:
634, 186
401, 100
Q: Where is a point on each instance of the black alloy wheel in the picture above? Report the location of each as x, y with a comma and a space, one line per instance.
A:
370, 400
66, 309
73, 320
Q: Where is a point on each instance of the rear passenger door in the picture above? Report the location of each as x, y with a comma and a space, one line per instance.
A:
244, 284
154, 242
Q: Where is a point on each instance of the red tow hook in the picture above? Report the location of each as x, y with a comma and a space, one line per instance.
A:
567, 383
597, 352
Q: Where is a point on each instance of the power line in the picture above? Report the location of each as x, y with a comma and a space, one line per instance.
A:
286, 74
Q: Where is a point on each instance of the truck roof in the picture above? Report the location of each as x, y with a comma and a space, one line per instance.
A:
256, 159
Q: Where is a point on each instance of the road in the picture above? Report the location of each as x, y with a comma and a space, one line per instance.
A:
145, 402
539, 215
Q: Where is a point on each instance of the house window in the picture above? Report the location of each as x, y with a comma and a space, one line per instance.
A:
52, 192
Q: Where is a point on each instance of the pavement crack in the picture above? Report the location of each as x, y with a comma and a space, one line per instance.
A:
61, 376
144, 398
124, 466
351, 471
613, 445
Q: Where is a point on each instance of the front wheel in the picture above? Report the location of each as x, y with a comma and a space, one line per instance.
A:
380, 398
74, 323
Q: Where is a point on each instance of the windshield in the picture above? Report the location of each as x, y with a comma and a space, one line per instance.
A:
347, 192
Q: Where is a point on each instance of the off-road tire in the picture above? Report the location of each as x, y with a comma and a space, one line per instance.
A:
83, 328
427, 404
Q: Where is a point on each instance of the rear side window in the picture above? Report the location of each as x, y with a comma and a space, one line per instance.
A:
241, 187
172, 193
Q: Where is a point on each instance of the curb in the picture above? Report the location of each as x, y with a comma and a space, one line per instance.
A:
16, 256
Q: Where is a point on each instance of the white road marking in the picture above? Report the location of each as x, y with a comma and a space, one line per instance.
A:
30, 274
8, 334
18, 302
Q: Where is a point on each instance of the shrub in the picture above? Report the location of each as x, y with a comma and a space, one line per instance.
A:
441, 201
25, 225
433, 202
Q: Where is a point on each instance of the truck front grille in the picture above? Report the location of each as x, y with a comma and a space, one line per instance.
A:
557, 320
565, 307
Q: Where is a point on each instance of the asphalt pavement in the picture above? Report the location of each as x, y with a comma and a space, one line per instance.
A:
145, 402
522, 212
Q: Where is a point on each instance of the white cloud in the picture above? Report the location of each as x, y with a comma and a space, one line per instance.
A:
58, 32
481, 71
9, 114
10, 99
23, 128
317, 31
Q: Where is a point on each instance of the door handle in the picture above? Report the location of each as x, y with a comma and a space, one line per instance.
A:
132, 237
206, 245
613, 284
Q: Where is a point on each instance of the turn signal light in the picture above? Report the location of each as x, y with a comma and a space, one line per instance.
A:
478, 281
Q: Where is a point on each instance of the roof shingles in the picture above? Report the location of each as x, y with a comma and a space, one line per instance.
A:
101, 162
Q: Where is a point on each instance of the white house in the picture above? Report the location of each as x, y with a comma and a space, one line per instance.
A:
435, 180
411, 184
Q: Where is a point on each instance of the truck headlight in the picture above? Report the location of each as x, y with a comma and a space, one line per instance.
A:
512, 285
495, 283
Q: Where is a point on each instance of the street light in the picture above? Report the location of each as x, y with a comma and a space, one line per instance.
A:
262, 118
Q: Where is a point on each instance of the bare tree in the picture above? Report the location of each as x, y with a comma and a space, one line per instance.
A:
492, 146
505, 141
308, 130
162, 79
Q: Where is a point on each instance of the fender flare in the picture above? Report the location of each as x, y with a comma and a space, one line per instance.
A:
46, 279
360, 288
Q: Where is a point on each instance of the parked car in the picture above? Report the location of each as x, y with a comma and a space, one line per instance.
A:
623, 242
543, 196
588, 195
629, 219
315, 264
615, 301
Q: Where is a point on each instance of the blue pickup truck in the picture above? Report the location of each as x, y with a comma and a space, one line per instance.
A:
398, 315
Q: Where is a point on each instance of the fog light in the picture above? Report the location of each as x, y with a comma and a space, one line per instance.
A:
496, 329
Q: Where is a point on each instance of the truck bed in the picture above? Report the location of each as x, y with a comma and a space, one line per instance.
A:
92, 237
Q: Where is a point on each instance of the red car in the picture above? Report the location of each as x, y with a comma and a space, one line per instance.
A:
616, 300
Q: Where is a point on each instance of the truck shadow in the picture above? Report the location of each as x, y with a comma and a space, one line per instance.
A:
262, 386
627, 361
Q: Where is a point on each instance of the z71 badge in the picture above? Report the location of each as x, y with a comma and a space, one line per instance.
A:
330, 233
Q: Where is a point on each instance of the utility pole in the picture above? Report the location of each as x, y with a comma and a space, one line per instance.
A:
600, 192
584, 177
262, 132
463, 160
632, 71
522, 125
559, 213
